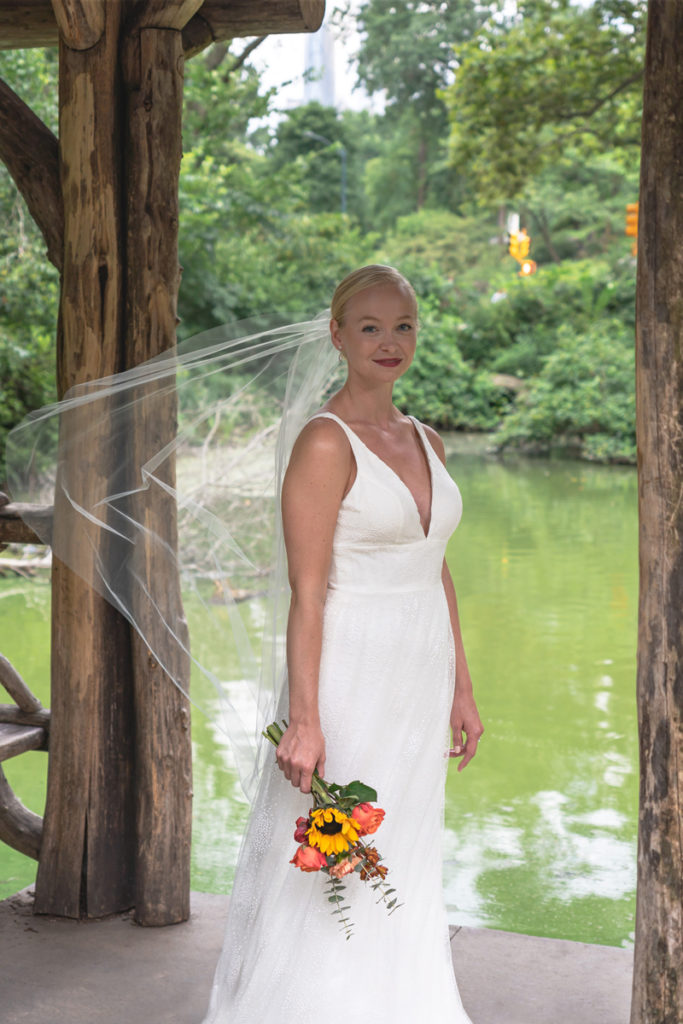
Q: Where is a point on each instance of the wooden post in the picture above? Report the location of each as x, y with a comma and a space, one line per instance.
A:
658, 977
154, 63
86, 866
117, 822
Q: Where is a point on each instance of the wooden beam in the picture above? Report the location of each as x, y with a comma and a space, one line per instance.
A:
81, 22
17, 688
657, 977
17, 739
19, 828
27, 23
14, 530
163, 14
11, 713
29, 150
218, 20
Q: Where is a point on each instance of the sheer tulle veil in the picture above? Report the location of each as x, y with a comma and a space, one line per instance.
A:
207, 428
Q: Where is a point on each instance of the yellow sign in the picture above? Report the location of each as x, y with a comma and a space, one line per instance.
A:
632, 219
519, 245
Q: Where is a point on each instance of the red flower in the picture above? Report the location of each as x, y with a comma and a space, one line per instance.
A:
369, 818
302, 824
309, 859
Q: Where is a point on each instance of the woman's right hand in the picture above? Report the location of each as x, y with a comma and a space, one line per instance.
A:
301, 751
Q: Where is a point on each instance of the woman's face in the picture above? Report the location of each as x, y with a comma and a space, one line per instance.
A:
379, 333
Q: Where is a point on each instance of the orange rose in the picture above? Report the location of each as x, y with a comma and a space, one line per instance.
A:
308, 859
369, 818
344, 867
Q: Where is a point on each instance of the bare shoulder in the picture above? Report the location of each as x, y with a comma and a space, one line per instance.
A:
435, 441
320, 440
321, 450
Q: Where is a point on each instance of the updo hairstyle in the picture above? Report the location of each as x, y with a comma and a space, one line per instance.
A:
367, 277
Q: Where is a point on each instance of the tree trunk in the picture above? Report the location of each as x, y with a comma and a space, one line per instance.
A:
658, 978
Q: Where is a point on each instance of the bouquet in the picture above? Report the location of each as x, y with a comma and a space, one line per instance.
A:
331, 838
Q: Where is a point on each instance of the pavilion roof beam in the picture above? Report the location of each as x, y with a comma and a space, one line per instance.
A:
81, 22
217, 20
30, 23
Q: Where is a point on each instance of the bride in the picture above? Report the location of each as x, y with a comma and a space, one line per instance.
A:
376, 676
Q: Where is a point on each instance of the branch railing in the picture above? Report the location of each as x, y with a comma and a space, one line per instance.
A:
25, 724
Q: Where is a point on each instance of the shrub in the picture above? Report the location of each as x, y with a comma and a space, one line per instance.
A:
584, 396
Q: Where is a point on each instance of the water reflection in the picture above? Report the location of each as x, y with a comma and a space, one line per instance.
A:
541, 828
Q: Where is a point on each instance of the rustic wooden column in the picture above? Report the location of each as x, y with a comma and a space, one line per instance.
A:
154, 64
86, 865
658, 978
117, 822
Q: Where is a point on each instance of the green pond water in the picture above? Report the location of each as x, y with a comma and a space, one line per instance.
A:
541, 827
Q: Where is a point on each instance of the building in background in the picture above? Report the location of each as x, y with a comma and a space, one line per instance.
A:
319, 77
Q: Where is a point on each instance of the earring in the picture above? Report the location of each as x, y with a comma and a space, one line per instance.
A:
342, 357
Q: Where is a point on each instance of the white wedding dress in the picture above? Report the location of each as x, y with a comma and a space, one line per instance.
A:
386, 684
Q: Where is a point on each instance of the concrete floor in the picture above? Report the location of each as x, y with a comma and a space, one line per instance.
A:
54, 971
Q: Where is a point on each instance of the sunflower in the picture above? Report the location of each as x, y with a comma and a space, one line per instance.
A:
331, 830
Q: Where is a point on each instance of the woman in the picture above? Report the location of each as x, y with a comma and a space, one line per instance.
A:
377, 671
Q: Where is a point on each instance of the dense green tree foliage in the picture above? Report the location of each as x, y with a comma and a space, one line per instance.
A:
550, 75
486, 113
408, 55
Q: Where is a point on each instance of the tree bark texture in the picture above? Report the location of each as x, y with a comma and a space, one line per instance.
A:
154, 70
86, 866
80, 22
658, 977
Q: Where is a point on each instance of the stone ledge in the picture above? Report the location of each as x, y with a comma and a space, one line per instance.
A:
105, 972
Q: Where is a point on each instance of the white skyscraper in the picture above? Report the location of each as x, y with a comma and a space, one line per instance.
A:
319, 62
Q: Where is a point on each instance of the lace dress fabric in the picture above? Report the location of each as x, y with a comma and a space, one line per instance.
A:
386, 683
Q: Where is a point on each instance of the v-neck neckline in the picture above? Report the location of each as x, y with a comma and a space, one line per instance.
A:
423, 446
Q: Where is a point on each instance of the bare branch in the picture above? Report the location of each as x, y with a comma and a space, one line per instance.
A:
239, 61
29, 150
602, 100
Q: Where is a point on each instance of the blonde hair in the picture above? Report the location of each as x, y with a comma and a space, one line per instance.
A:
367, 277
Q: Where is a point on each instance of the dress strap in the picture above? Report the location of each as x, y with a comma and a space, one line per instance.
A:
429, 450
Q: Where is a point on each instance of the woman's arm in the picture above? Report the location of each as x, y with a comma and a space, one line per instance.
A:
464, 714
312, 491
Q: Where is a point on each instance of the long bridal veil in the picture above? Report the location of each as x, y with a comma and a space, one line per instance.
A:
172, 470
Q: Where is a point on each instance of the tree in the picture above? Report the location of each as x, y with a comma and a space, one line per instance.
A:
408, 54
327, 151
554, 73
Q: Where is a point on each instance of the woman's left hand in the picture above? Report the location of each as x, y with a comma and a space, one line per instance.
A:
465, 719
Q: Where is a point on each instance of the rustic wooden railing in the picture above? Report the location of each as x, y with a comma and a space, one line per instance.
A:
13, 529
25, 724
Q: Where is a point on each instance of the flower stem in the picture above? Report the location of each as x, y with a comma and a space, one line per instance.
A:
321, 794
